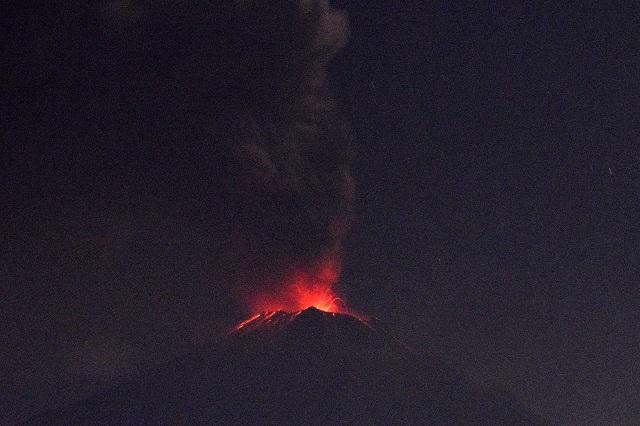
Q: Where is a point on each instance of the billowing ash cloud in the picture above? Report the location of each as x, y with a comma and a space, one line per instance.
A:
237, 92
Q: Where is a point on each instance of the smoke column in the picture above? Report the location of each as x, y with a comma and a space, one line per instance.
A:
295, 156
259, 130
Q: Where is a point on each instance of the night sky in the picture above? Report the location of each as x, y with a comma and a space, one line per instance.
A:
494, 153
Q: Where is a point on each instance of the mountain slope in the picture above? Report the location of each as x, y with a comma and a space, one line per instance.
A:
311, 367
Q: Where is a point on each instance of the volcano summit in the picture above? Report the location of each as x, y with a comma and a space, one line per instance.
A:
309, 367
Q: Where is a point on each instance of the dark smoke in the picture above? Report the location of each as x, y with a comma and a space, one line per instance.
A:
167, 157
248, 78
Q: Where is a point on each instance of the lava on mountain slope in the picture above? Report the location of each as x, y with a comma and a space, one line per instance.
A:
278, 319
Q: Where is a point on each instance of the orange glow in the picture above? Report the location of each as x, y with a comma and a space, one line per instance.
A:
303, 290
247, 321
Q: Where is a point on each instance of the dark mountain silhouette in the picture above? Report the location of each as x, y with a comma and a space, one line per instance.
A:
311, 367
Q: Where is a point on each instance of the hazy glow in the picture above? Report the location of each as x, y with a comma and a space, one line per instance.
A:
303, 290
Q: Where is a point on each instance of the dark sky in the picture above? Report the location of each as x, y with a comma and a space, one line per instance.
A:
495, 218
499, 185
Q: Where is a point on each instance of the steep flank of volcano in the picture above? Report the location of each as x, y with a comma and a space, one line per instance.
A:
312, 326
308, 367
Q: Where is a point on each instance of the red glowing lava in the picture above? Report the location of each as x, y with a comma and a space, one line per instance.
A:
303, 290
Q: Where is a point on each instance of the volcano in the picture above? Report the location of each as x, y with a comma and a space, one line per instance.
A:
308, 367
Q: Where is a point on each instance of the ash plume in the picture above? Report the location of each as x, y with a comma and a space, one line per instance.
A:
244, 97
